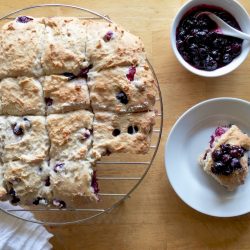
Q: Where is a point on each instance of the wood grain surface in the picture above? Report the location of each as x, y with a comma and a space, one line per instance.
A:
154, 217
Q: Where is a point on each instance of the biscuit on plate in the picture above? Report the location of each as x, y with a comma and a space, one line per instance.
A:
64, 48
21, 47
226, 160
63, 94
28, 184
21, 96
123, 89
109, 45
70, 135
26, 139
121, 133
71, 179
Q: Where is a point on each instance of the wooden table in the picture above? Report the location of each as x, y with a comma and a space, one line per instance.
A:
154, 217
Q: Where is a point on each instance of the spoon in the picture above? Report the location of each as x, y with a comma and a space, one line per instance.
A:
225, 28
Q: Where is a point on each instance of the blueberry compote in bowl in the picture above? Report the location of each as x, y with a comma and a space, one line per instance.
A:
198, 43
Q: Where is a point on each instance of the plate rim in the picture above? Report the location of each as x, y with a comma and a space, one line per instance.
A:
167, 145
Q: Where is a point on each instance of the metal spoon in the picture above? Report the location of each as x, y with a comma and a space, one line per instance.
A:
225, 28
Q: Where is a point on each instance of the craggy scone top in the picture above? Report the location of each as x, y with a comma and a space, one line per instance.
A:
71, 91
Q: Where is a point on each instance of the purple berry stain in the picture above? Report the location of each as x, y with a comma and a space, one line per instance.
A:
108, 36
94, 183
131, 73
58, 167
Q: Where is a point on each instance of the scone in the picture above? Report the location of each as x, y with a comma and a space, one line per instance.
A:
21, 46
26, 139
28, 184
122, 89
65, 46
121, 133
109, 45
70, 135
63, 94
21, 96
70, 180
226, 160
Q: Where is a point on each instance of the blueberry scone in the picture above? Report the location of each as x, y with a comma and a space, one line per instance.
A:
109, 45
26, 139
121, 133
21, 96
123, 89
226, 160
28, 183
65, 93
65, 45
71, 180
21, 47
70, 135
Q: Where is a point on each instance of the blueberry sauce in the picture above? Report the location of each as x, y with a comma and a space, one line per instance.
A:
227, 159
199, 43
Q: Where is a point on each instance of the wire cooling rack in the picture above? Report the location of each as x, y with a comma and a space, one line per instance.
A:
118, 175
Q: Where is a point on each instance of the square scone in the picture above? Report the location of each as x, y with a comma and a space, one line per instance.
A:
28, 184
26, 139
71, 180
122, 133
21, 46
63, 94
109, 45
226, 160
65, 44
21, 96
123, 89
70, 135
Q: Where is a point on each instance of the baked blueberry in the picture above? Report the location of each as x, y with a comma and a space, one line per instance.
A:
17, 129
116, 132
48, 101
132, 129
70, 76
24, 19
59, 203
58, 167
108, 36
122, 97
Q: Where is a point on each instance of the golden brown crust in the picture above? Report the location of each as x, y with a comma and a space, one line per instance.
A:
107, 84
70, 135
21, 96
123, 49
137, 142
65, 45
21, 46
67, 95
233, 136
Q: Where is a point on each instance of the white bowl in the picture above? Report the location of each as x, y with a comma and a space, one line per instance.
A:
188, 139
240, 14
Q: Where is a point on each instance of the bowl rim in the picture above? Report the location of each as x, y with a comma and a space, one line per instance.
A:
209, 74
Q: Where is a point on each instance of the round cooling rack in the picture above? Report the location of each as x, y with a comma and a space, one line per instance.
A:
118, 175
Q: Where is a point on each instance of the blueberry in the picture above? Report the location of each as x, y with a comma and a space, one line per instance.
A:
235, 163
193, 49
227, 58
15, 200
58, 167
217, 155
84, 72
59, 203
122, 97
94, 183
24, 19
131, 73
220, 131
48, 101
235, 153
116, 132
108, 36
218, 167
215, 54
70, 76
132, 129
47, 182
17, 130
225, 148
236, 49
210, 64
203, 52
219, 43
200, 36
226, 158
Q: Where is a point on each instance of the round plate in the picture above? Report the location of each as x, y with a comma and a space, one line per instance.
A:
188, 139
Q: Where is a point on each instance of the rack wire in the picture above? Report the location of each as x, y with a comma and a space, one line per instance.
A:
117, 177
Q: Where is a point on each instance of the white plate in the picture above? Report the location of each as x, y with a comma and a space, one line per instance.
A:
187, 141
